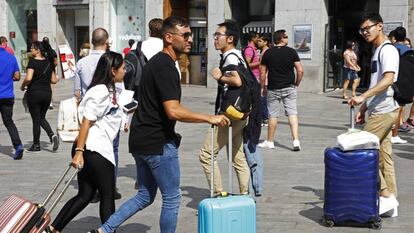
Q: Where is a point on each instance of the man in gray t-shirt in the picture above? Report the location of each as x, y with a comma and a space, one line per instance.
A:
382, 109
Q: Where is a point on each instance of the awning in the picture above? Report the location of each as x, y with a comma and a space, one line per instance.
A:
259, 26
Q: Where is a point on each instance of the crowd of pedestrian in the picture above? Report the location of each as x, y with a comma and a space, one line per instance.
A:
153, 141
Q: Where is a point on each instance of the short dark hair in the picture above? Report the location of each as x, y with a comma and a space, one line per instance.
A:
400, 34
99, 36
131, 42
251, 35
155, 27
391, 34
46, 40
266, 38
232, 29
3, 39
373, 17
278, 35
170, 23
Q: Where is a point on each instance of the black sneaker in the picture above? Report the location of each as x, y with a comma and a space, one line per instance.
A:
55, 142
117, 195
35, 148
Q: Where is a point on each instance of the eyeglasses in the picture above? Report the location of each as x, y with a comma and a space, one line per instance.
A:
218, 34
366, 29
185, 35
285, 37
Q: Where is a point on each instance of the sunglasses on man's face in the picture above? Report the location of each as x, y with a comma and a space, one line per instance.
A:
185, 35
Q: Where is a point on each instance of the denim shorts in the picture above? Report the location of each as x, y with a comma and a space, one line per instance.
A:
350, 74
286, 96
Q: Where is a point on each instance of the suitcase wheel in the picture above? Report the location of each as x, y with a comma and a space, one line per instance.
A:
328, 222
375, 225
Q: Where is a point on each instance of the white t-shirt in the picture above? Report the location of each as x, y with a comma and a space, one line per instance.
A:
152, 46
390, 60
232, 59
97, 105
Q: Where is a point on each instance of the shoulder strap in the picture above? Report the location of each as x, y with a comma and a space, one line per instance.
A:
379, 52
232, 53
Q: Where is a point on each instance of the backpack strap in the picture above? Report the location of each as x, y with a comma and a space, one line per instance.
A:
379, 52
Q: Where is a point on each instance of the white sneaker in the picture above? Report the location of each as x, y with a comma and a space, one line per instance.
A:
398, 140
387, 204
267, 145
296, 145
391, 213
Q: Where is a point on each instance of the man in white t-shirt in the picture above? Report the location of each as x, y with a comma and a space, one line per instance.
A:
225, 40
382, 109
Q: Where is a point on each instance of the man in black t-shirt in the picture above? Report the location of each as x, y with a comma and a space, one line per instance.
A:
278, 64
152, 140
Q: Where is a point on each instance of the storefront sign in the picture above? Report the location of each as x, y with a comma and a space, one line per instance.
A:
69, 2
130, 36
302, 40
67, 61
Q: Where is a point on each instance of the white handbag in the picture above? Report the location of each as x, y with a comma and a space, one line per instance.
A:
68, 122
356, 139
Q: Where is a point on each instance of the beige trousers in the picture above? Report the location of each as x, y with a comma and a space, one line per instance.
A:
238, 157
381, 126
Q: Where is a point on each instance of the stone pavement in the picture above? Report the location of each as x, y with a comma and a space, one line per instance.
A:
294, 181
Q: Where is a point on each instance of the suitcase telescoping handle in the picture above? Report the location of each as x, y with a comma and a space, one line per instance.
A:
351, 115
229, 153
62, 191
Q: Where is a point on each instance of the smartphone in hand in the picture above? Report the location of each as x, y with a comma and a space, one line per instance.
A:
130, 107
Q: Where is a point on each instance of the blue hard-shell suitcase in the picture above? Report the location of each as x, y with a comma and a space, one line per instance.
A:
229, 214
232, 214
351, 187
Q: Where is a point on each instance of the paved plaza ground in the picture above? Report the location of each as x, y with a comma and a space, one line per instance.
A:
292, 200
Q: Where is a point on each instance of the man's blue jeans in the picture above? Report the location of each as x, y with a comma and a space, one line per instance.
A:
255, 161
153, 171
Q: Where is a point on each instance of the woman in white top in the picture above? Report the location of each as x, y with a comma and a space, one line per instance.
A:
93, 151
351, 69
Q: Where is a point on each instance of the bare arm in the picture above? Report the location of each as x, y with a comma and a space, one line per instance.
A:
53, 79
263, 72
77, 160
251, 63
175, 111
16, 76
231, 78
381, 86
27, 79
299, 73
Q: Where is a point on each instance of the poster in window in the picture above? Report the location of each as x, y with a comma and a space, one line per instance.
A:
67, 60
389, 26
302, 40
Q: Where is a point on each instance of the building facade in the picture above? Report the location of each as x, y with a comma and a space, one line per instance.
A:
317, 29
71, 22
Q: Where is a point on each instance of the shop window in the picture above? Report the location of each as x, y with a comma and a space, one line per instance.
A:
199, 40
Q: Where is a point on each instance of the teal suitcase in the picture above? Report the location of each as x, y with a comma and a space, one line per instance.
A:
229, 214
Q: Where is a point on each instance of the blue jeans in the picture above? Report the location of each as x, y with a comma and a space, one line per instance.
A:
153, 171
255, 161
